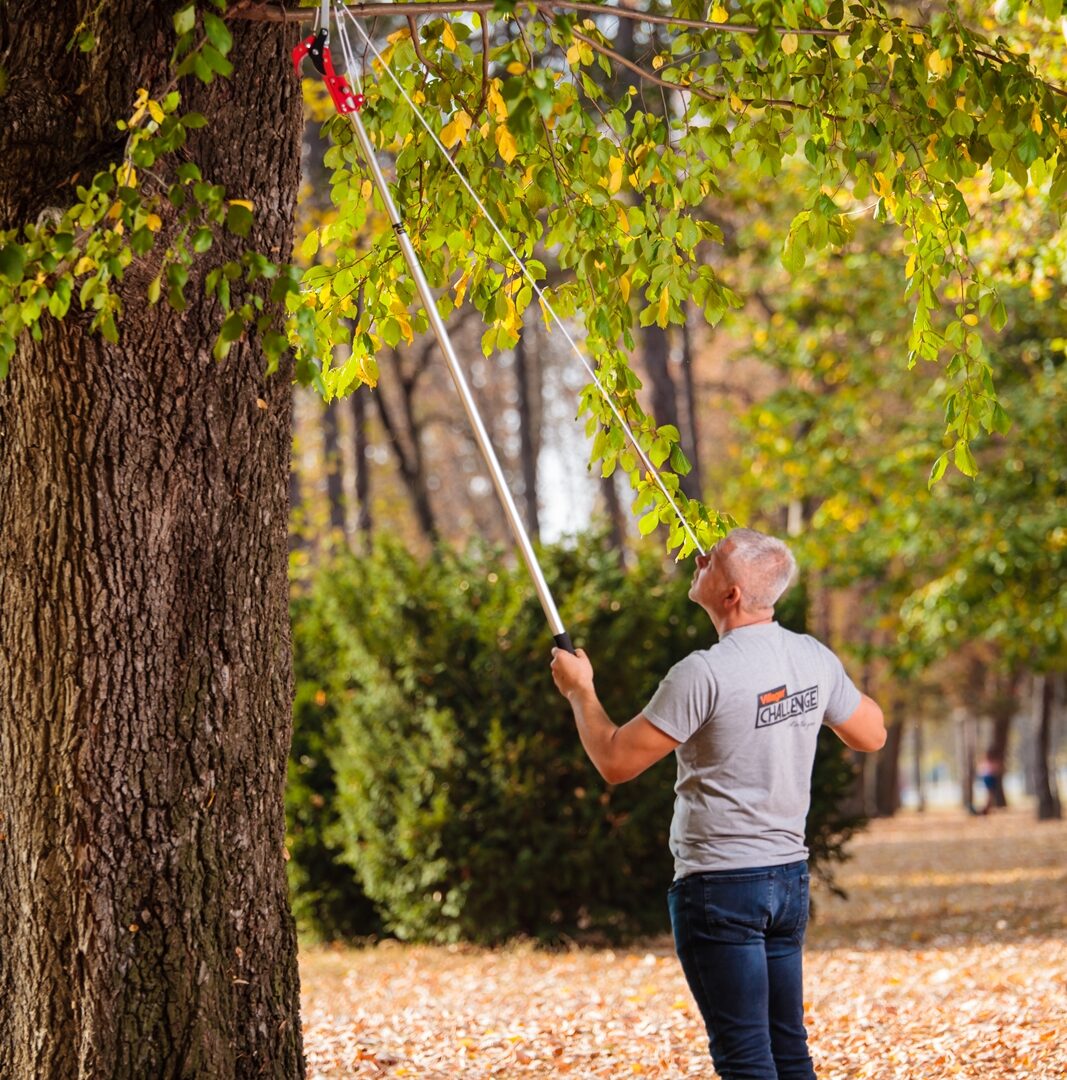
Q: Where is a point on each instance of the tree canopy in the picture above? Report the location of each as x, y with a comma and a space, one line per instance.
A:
600, 168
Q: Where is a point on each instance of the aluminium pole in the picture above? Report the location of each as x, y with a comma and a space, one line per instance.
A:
429, 302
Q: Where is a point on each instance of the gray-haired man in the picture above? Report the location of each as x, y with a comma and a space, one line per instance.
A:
743, 718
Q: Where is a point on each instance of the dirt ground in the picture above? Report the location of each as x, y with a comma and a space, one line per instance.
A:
949, 959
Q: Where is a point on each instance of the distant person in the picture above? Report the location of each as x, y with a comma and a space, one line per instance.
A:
743, 718
989, 771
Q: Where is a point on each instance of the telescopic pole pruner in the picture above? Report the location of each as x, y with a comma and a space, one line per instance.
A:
349, 104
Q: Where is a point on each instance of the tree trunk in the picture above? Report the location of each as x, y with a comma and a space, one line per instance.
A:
297, 523
528, 441
1048, 796
917, 762
146, 685
1003, 708
335, 488
887, 769
691, 433
656, 356
364, 521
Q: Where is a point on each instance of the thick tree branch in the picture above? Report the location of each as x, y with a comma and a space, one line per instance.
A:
270, 12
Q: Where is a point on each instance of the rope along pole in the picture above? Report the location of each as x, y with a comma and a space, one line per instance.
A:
653, 472
559, 633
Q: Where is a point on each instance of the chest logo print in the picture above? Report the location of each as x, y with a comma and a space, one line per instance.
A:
774, 706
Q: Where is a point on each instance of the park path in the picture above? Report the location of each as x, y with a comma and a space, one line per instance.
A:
948, 960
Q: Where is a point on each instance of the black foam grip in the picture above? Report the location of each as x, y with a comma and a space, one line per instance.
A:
563, 641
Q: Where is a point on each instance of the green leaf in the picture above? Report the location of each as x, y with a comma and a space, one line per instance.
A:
938, 469
648, 523
185, 20
238, 219
964, 459
218, 33
12, 262
232, 327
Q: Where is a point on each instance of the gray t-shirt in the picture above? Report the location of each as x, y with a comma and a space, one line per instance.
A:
747, 713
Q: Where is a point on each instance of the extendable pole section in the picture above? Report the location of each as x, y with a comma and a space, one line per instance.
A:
429, 302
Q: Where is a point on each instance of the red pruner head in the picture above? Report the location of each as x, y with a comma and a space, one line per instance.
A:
300, 51
345, 99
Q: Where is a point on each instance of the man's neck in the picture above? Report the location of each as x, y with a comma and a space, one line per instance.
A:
743, 618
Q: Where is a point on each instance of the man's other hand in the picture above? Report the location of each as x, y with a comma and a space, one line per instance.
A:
571, 672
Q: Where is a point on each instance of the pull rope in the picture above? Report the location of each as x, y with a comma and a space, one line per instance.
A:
652, 471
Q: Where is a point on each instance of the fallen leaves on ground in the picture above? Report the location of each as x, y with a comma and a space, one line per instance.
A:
949, 959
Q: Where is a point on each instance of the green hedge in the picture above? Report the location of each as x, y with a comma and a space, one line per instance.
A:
445, 766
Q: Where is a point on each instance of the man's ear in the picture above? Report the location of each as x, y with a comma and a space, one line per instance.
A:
732, 597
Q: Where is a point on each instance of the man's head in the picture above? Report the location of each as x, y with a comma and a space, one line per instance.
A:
741, 579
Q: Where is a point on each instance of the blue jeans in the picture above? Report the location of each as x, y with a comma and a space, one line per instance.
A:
739, 936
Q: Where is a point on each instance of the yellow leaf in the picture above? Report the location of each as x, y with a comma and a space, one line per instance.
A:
505, 143
790, 42
910, 268
138, 115
398, 35
736, 103
448, 38
366, 190
615, 165
971, 319
155, 112
84, 265
461, 287
497, 106
516, 67
1035, 122
624, 285
574, 55
937, 64
154, 222
246, 203
719, 13
881, 184
664, 307
624, 220
455, 131
657, 62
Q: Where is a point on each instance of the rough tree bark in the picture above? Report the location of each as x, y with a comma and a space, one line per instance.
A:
145, 677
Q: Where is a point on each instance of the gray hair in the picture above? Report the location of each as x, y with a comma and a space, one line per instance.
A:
761, 565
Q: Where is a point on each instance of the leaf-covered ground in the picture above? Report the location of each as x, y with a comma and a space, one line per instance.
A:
948, 960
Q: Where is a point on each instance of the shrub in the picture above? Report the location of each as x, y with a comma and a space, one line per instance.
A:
463, 799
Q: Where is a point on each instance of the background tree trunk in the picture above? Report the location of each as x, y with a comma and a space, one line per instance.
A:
655, 354
364, 520
887, 767
529, 440
335, 482
1004, 706
145, 688
1048, 796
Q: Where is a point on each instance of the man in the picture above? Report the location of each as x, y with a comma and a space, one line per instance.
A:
743, 718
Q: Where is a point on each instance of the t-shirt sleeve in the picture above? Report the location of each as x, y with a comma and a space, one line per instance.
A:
684, 701
842, 697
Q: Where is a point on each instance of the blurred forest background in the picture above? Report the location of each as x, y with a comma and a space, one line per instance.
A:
431, 753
